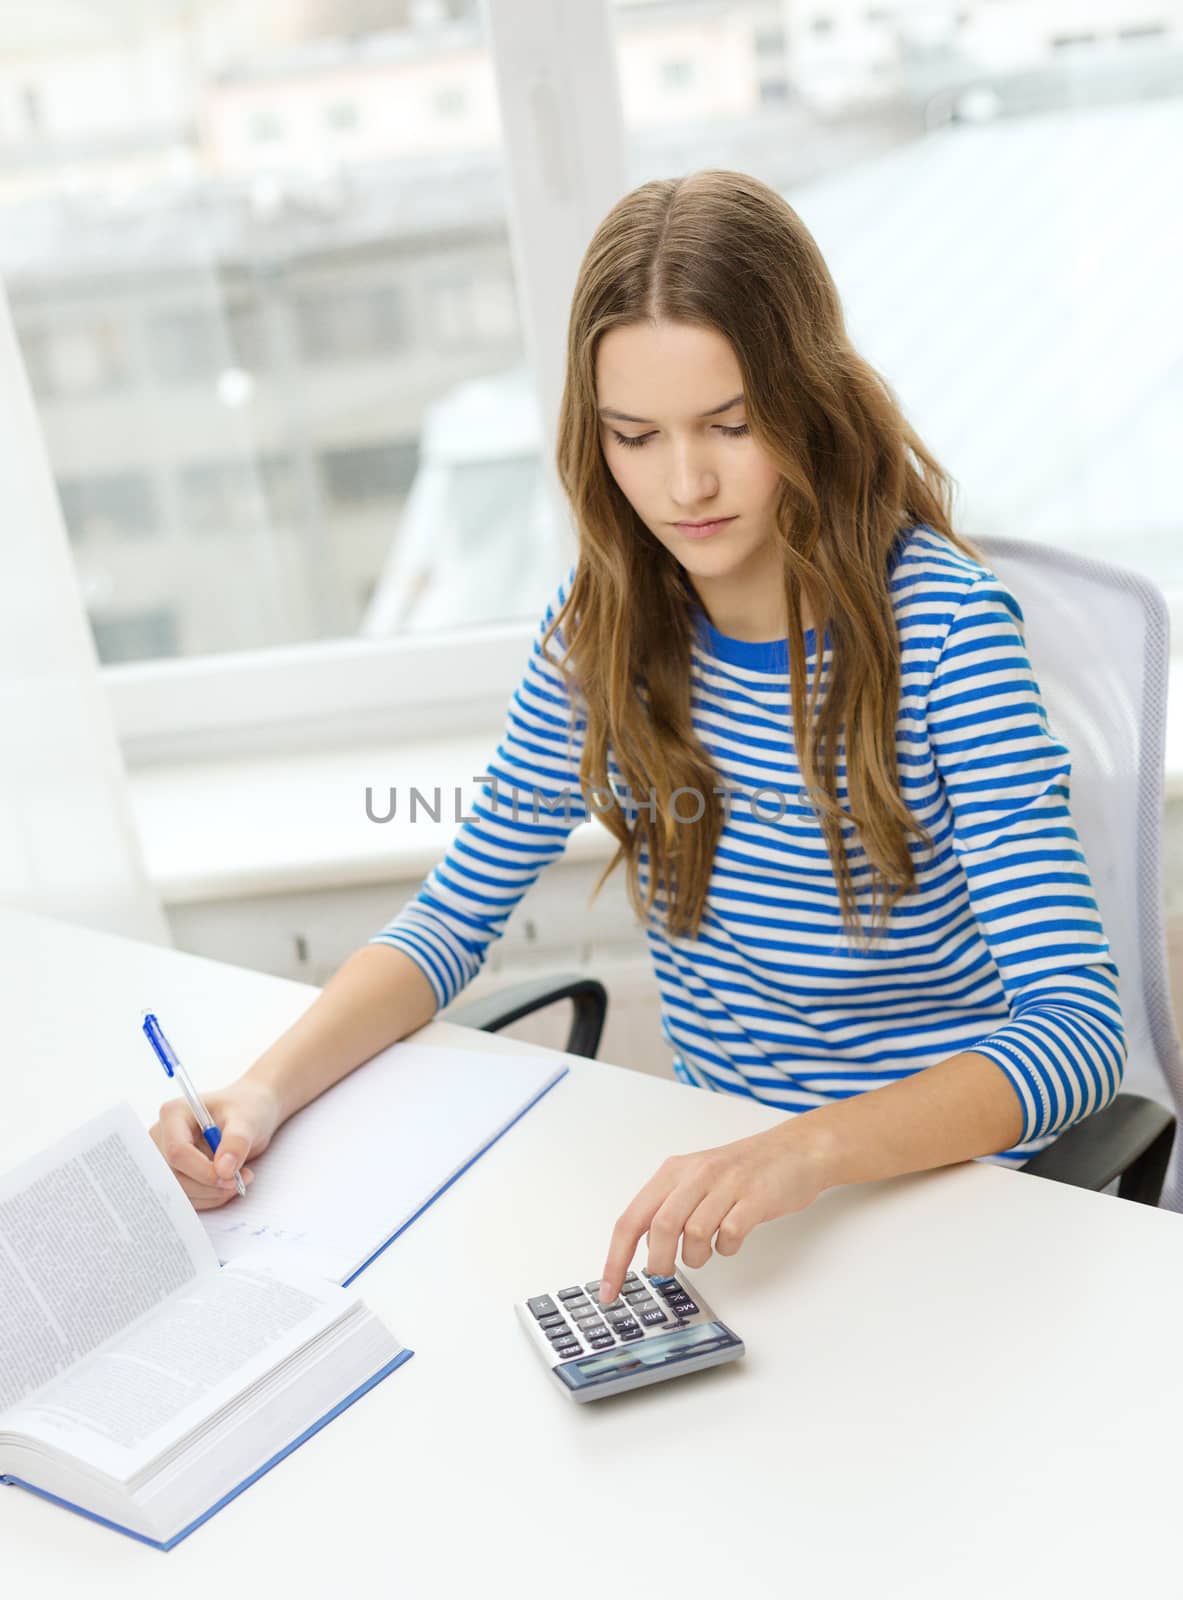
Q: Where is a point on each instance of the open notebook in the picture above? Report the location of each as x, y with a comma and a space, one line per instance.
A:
347, 1174
140, 1383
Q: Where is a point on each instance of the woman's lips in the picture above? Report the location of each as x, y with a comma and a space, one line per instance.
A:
702, 530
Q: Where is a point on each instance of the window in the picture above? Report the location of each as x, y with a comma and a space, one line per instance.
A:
216, 496
30, 103
367, 473
267, 312
341, 116
77, 359
471, 308
450, 102
131, 638
347, 323
677, 74
265, 127
253, 345
990, 204
110, 506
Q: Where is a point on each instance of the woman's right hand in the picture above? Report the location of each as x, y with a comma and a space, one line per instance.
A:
247, 1114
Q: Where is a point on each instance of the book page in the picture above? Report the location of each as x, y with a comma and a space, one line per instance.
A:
350, 1169
94, 1232
191, 1355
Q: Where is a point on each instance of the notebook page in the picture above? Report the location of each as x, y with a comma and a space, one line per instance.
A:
351, 1168
211, 1341
94, 1232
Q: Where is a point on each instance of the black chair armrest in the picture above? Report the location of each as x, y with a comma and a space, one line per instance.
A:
496, 1011
1130, 1140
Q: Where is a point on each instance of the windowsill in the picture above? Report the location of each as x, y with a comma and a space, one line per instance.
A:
232, 829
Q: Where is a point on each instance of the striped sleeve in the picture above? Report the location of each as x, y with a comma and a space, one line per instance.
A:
1006, 776
520, 822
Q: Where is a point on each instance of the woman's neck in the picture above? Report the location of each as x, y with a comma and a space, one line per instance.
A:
748, 607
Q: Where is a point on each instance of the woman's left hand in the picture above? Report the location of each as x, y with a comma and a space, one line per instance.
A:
725, 1191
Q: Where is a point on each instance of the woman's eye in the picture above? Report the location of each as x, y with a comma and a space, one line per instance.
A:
635, 444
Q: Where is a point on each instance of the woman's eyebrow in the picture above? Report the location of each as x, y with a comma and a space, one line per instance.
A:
623, 416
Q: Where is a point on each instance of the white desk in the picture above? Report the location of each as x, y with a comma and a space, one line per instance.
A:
960, 1383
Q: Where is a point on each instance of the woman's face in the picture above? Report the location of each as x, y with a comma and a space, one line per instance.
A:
678, 464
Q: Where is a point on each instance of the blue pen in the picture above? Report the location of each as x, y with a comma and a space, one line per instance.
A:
167, 1057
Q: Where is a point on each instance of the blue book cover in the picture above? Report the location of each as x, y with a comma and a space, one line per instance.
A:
231, 1494
404, 1355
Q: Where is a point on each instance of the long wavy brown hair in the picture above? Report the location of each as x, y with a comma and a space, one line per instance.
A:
721, 250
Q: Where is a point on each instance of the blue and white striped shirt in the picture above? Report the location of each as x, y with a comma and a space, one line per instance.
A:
999, 950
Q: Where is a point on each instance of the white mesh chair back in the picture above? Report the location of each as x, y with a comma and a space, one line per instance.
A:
1098, 637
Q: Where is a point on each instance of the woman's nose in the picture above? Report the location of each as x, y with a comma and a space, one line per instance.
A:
692, 476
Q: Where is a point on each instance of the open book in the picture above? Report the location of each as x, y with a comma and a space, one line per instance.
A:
140, 1383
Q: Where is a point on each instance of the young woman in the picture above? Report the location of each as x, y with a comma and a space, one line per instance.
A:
803, 706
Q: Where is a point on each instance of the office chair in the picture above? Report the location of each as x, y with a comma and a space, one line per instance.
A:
1099, 640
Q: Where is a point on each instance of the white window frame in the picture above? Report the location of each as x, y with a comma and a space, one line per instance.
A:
287, 697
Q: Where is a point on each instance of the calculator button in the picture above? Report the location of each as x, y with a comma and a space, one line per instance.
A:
559, 1335
631, 1277
588, 1314
636, 1291
574, 1307
601, 1341
656, 1278
617, 1305
574, 1348
542, 1305
685, 1307
570, 1294
553, 1322
653, 1317
632, 1332
592, 1286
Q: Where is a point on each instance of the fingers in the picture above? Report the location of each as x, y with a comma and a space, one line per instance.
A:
233, 1149
631, 1224
734, 1228
699, 1231
207, 1199
661, 1209
178, 1139
186, 1152
674, 1216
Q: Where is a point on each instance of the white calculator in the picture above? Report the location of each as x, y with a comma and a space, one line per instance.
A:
657, 1327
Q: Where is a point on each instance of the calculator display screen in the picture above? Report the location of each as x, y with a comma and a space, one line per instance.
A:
661, 1351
